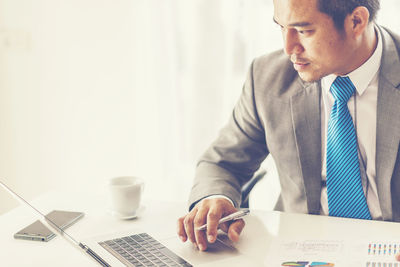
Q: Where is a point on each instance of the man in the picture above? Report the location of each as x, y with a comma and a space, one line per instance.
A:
327, 111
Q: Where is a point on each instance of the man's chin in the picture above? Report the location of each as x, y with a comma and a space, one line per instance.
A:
309, 77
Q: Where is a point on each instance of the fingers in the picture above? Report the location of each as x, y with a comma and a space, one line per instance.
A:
188, 225
200, 235
213, 217
208, 211
235, 229
181, 229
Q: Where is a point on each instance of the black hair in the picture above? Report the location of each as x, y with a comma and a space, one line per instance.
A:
339, 9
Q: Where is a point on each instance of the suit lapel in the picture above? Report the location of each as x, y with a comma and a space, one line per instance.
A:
306, 116
388, 123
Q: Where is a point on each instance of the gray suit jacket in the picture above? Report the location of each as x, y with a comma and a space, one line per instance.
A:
279, 114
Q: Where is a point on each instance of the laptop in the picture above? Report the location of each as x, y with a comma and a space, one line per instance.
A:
140, 247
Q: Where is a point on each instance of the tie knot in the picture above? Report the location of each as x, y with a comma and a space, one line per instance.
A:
342, 89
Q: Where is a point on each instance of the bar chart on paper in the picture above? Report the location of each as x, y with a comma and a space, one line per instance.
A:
307, 253
335, 253
382, 254
308, 264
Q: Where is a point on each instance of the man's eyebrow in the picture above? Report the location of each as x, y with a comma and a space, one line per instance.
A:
296, 24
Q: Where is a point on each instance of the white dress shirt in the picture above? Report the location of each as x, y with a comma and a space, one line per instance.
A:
362, 108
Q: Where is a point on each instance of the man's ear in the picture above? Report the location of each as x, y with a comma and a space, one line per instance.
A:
357, 21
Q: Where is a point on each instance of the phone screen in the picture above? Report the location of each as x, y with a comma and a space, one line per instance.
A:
64, 219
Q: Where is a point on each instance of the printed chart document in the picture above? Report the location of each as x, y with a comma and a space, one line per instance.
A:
382, 253
307, 253
334, 253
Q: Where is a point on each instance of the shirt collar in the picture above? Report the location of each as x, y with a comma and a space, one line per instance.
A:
363, 75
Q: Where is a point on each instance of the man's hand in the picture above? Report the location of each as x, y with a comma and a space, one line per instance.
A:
208, 211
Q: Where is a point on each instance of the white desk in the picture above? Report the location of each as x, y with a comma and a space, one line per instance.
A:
260, 240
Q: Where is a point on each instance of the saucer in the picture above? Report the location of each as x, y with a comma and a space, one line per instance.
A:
127, 217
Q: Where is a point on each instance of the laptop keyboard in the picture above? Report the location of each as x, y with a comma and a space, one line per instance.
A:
142, 250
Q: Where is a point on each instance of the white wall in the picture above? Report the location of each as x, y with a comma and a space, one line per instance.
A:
92, 89
66, 94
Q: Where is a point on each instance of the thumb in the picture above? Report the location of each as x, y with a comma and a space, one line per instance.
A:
235, 229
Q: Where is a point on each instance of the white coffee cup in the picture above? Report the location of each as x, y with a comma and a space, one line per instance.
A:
125, 196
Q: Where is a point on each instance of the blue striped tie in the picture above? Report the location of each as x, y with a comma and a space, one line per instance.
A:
343, 180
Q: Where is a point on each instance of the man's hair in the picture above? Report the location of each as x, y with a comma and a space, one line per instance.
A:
339, 9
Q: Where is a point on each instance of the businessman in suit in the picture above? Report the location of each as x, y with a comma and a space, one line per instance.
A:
326, 108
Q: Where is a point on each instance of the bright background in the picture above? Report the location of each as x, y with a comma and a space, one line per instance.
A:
91, 89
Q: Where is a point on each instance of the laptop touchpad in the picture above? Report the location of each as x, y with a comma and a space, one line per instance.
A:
221, 249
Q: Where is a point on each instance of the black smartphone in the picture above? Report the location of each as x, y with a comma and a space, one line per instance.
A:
37, 231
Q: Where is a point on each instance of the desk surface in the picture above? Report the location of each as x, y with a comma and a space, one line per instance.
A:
265, 237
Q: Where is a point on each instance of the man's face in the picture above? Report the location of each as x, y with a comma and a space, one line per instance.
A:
311, 40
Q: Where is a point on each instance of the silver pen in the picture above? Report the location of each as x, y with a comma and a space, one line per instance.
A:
231, 217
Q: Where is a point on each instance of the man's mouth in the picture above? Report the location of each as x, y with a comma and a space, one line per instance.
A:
299, 66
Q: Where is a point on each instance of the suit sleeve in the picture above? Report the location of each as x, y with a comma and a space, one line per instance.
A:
235, 155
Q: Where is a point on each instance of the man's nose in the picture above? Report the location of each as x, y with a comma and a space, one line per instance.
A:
291, 42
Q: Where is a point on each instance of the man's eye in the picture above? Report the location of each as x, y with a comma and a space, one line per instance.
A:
305, 31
